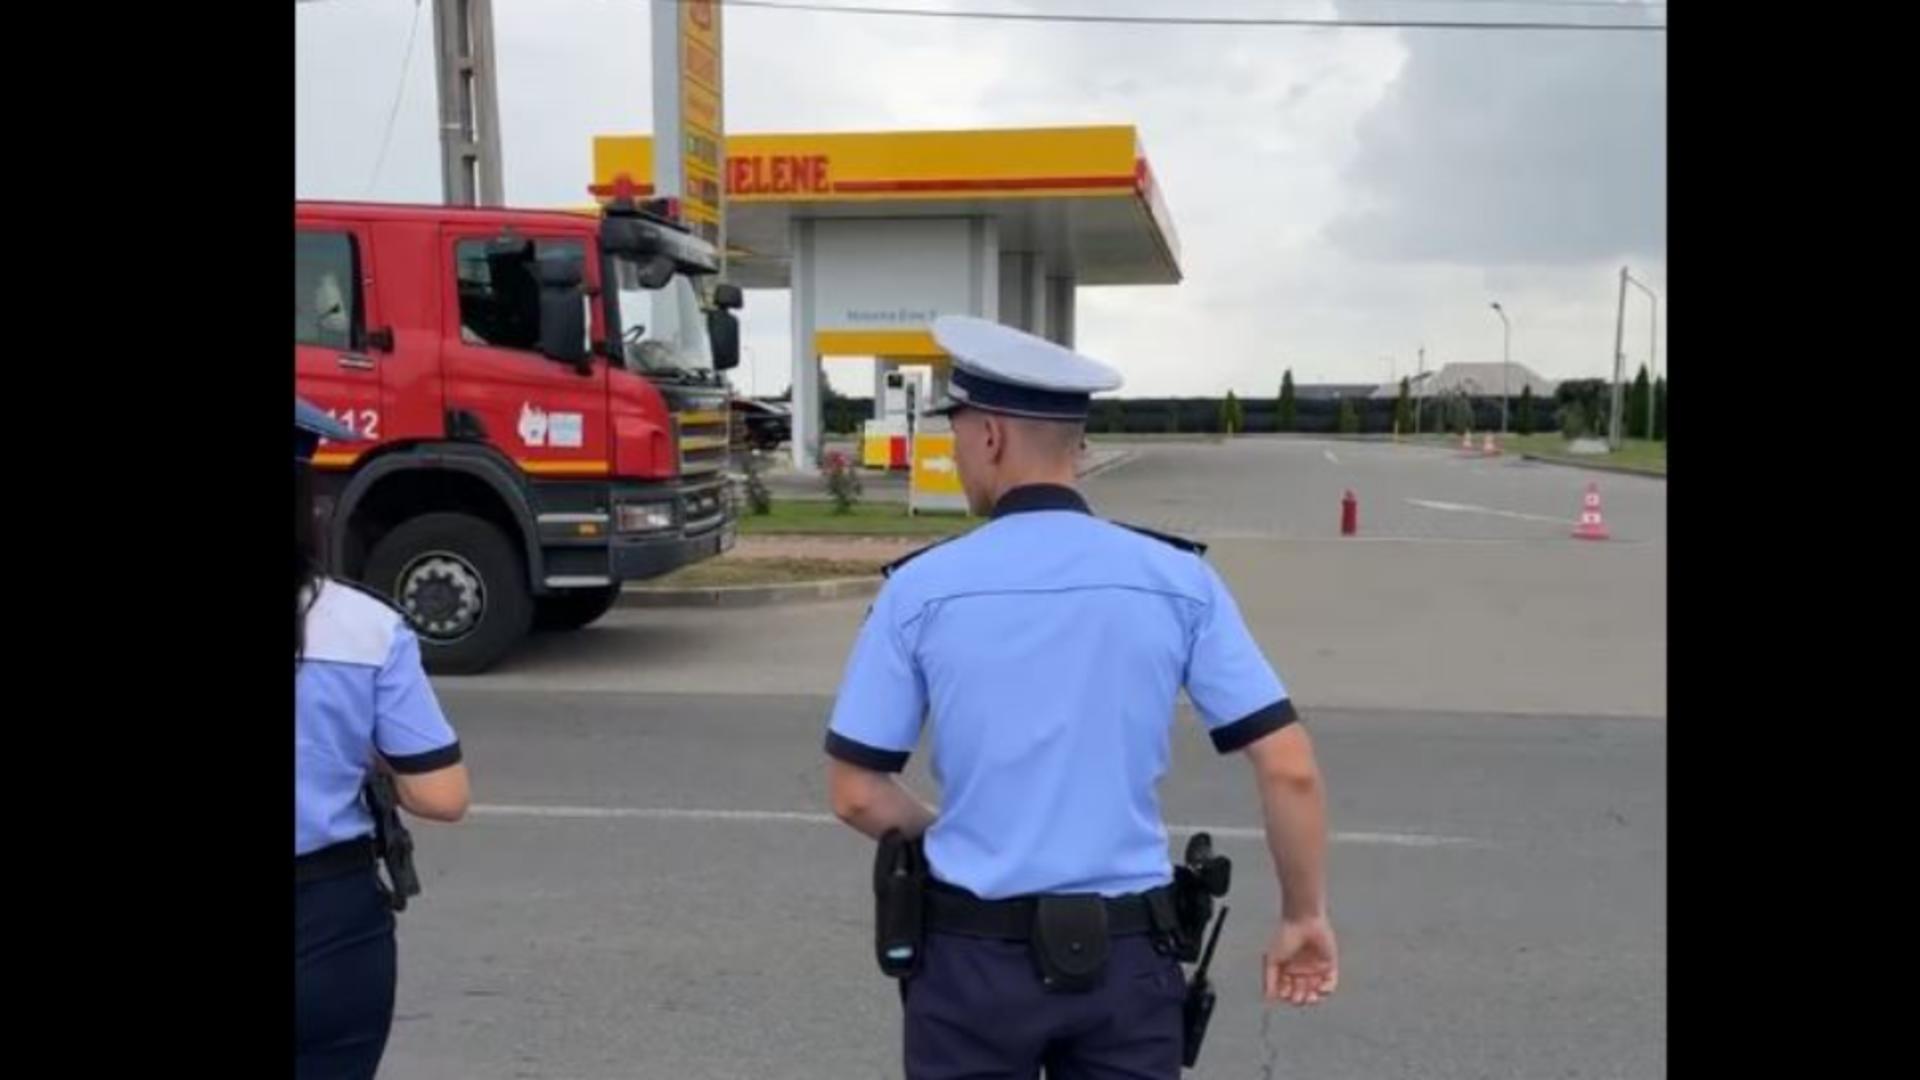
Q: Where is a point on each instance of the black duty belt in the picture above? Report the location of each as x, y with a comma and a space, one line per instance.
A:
334, 860
953, 910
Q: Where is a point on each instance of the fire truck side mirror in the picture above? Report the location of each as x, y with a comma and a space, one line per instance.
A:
729, 297
563, 326
723, 332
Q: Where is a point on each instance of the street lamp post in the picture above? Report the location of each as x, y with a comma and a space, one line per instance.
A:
1506, 362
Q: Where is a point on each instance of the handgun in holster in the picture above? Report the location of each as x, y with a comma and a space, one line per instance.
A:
1198, 881
1202, 878
391, 840
900, 904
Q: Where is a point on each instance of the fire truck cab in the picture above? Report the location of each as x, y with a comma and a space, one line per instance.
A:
541, 407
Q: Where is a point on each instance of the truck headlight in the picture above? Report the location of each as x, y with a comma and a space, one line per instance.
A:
645, 517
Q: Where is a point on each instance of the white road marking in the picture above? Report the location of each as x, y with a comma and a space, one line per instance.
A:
1464, 508
1364, 539
1330, 458
653, 813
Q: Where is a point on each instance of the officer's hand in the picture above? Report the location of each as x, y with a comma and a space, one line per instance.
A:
1302, 962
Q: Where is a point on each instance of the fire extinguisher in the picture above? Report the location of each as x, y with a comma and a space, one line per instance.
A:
1349, 514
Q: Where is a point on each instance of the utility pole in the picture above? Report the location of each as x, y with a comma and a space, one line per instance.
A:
1619, 361
469, 103
1653, 330
1653, 377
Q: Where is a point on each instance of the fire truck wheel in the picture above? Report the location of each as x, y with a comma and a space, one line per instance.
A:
574, 608
462, 586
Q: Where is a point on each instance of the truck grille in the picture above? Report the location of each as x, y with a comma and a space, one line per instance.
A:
704, 438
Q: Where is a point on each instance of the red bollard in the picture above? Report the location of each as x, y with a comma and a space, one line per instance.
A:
1349, 514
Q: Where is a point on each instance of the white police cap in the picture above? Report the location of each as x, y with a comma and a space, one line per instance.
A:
999, 369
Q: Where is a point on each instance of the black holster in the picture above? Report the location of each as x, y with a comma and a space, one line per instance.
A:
391, 840
1197, 882
899, 904
1202, 879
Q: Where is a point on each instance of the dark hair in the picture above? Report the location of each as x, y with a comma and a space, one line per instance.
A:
306, 559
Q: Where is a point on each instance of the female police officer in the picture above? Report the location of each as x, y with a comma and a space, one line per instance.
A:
361, 702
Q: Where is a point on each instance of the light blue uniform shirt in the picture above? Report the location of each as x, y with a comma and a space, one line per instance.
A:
1050, 647
360, 688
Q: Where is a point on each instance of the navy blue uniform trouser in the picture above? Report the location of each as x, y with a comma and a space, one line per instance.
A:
976, 1010
344, 972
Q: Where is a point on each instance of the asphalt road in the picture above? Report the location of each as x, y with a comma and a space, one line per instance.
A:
650, 886
1287, 488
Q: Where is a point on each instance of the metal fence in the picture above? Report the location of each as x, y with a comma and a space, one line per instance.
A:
1201, 416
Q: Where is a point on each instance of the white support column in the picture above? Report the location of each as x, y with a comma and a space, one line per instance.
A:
808, 420
1023, 292
936, 385
1060, 310
984, 250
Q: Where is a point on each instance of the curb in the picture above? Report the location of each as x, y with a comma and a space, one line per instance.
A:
1147, 439
1596, 466
1108, 465
741, 596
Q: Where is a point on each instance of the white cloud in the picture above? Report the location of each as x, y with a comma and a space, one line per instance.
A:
1495, 149
1305, 169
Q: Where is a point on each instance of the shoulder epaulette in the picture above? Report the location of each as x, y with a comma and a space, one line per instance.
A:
1180, 542
889, 569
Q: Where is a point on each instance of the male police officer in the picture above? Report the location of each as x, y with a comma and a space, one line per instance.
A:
1049, 647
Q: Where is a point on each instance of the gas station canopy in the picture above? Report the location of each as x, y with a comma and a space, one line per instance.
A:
1081, 198
876, 234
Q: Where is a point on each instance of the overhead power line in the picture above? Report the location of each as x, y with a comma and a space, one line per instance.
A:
1204, 20
1255, 21
399, 94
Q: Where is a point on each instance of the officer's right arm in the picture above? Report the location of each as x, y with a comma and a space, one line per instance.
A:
875, 726
415, 742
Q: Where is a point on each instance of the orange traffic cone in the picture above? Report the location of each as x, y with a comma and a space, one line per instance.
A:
1487, 447
1592, 526
1466, 442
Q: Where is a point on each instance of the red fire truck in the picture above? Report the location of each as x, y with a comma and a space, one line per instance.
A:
541, 404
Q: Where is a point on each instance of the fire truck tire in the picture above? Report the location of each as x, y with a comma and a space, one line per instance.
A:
461, 584
574, 608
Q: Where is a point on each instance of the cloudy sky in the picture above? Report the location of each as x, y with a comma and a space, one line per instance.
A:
1342, 196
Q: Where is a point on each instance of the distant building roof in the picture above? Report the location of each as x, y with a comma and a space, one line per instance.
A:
1474, 380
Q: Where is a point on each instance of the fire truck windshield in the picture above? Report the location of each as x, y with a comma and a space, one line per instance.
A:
663, 331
